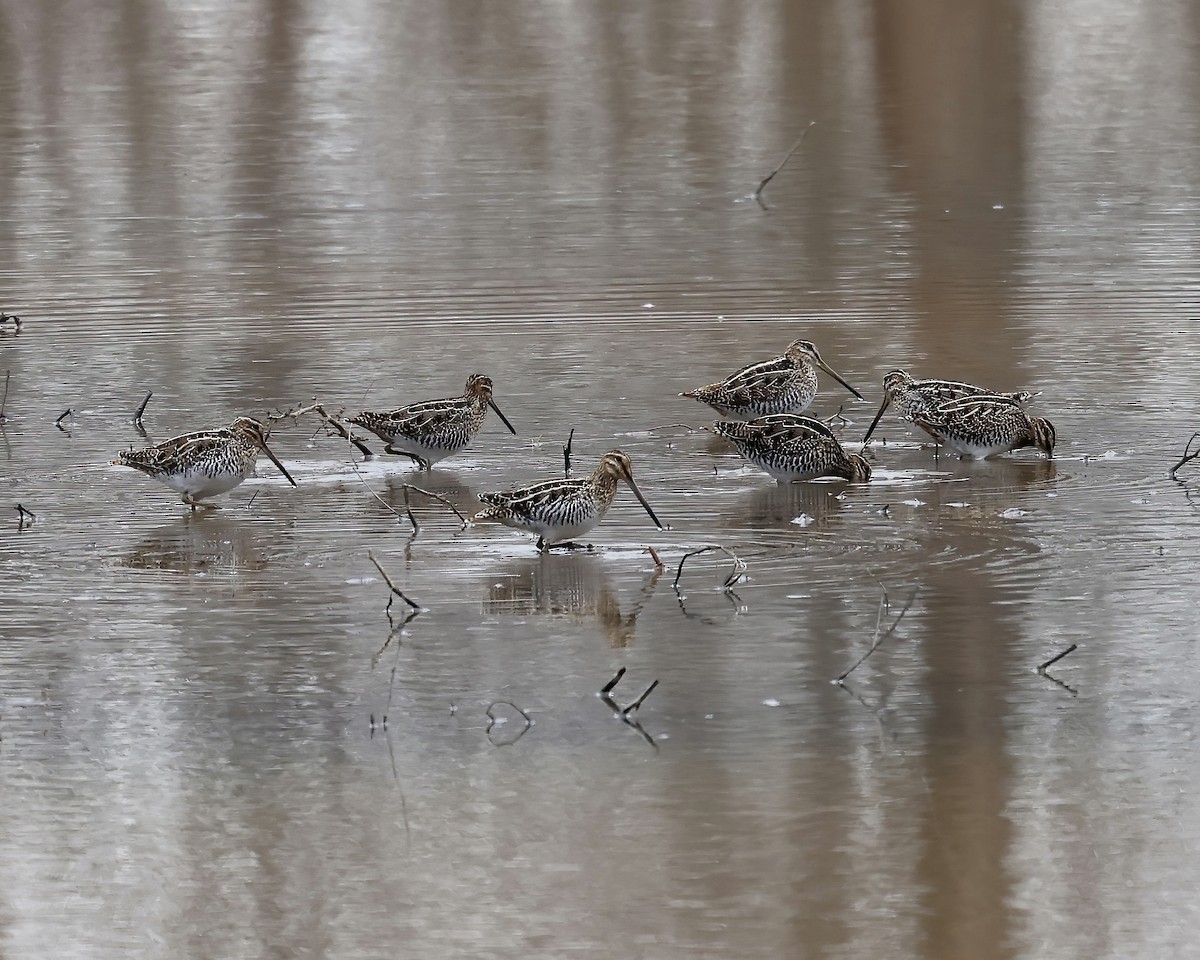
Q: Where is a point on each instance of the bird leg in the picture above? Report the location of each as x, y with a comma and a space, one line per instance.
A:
423, 464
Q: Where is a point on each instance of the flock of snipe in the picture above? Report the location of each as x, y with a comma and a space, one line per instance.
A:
766, 398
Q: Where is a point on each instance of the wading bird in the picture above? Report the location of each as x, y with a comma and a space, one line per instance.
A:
205, 463
560, 510
791, 447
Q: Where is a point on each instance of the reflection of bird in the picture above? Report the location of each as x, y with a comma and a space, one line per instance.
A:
205, 463
775, 506
434, 429
791, 447
784, 384
983, 426
558, 510
916, 397
200, 542
575, 586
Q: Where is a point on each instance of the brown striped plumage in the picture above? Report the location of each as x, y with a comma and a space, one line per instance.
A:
559, 510
205, 463
432, 430
983, 426
783, 384
791, 447
919, 397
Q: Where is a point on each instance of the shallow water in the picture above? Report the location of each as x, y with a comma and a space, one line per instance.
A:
241, 207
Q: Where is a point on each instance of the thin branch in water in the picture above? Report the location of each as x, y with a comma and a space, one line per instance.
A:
5, 317
607, 688
25, 517
842, 421
396, 591
493, 720
739, 566
1188, 454
63, 416
879, 638
4, 400
771, 176
435, 496
623, 713
342, 430
1053, 660
632, 708
395, 634
141, 410
567, 454
656, 558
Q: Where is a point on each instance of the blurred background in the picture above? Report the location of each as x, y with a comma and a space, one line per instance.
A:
246, 205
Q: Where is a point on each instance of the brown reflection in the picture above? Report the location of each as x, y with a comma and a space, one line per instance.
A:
200, 542
780, 504
574, 586
951, 94
966, 835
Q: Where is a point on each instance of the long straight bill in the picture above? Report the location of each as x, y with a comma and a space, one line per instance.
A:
275, 460
642, 500
887, 399
492, 404
829, 370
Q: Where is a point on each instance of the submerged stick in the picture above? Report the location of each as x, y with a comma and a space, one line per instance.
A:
140, 411
607, 688
640, 700
739, 566
435, 496
63, 416
879, 638
22, 513
493, 720
4, 400
1053, 660
5, 317
388, 580
656, 558
771, 176
1188, 454
343, 430
567, 454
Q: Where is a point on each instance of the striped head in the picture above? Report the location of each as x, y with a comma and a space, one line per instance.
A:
617, 465
895, 380
247, 428
860, 470
479, 387
803, 351
1042, 435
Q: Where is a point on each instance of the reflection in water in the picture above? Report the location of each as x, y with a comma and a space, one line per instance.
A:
575, 586
201, 542
778, 505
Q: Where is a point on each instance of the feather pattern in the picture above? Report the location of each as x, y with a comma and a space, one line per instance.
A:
791, 447
985, 425
432, 430
206, 462
783, 384
916, 399
559, 510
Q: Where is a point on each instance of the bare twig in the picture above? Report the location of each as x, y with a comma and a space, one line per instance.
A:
63, 416
5, 317
25, 517
1188, 454
141, 410
343, 431
396, 591
4, 400
739, 566
395, 634
434, 496
656, 558
879, 638
771, 176
632, 708
1053, 660
623, 713
493, 720
567, 453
